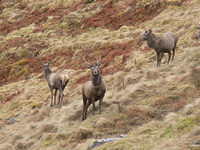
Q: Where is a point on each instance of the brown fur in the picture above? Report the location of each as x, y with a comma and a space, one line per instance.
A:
56, 81
161, 44
93, 91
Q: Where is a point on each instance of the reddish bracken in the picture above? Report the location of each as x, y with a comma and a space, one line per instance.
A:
38, 17
108, 54
113, 16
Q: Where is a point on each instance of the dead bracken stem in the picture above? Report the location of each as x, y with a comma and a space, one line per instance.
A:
123, 83
135, 62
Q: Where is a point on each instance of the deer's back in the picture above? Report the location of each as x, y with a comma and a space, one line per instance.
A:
168, 41
55, 80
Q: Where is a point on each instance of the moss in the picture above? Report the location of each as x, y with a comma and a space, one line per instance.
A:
36, 105
1, 98
186, 124
182, 126
49, 140
168, 132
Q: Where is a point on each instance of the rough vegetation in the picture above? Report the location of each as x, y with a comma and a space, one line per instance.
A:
158, 108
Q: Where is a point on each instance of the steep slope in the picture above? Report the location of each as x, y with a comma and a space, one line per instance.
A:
159, 107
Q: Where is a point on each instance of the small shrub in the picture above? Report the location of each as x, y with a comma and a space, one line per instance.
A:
186, 124
170, 103
81, 134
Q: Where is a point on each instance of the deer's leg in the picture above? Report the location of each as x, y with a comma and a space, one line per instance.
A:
84, 106
161, 56
173, 54
169, 53
93, 103
100, 103
55, 96
61, 96
51, 90
59, 99
60, 90
158, 56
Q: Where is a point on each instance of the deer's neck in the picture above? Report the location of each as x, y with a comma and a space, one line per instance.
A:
96, 80
47, 72
151, 41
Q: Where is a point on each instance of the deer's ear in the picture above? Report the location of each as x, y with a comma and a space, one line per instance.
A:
90, 66
150, 30
98, 64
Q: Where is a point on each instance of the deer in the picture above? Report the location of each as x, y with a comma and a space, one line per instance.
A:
93, 90
161, 44
57, 81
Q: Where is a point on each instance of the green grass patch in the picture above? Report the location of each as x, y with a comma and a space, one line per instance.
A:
182, 126
168, 132
49, 140
186, 124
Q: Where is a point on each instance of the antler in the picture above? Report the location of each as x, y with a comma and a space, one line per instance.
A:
88, 64
98, 61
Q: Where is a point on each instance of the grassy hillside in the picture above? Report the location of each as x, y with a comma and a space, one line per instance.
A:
159, 107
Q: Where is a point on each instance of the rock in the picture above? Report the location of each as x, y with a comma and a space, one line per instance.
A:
99, 142
11, 120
